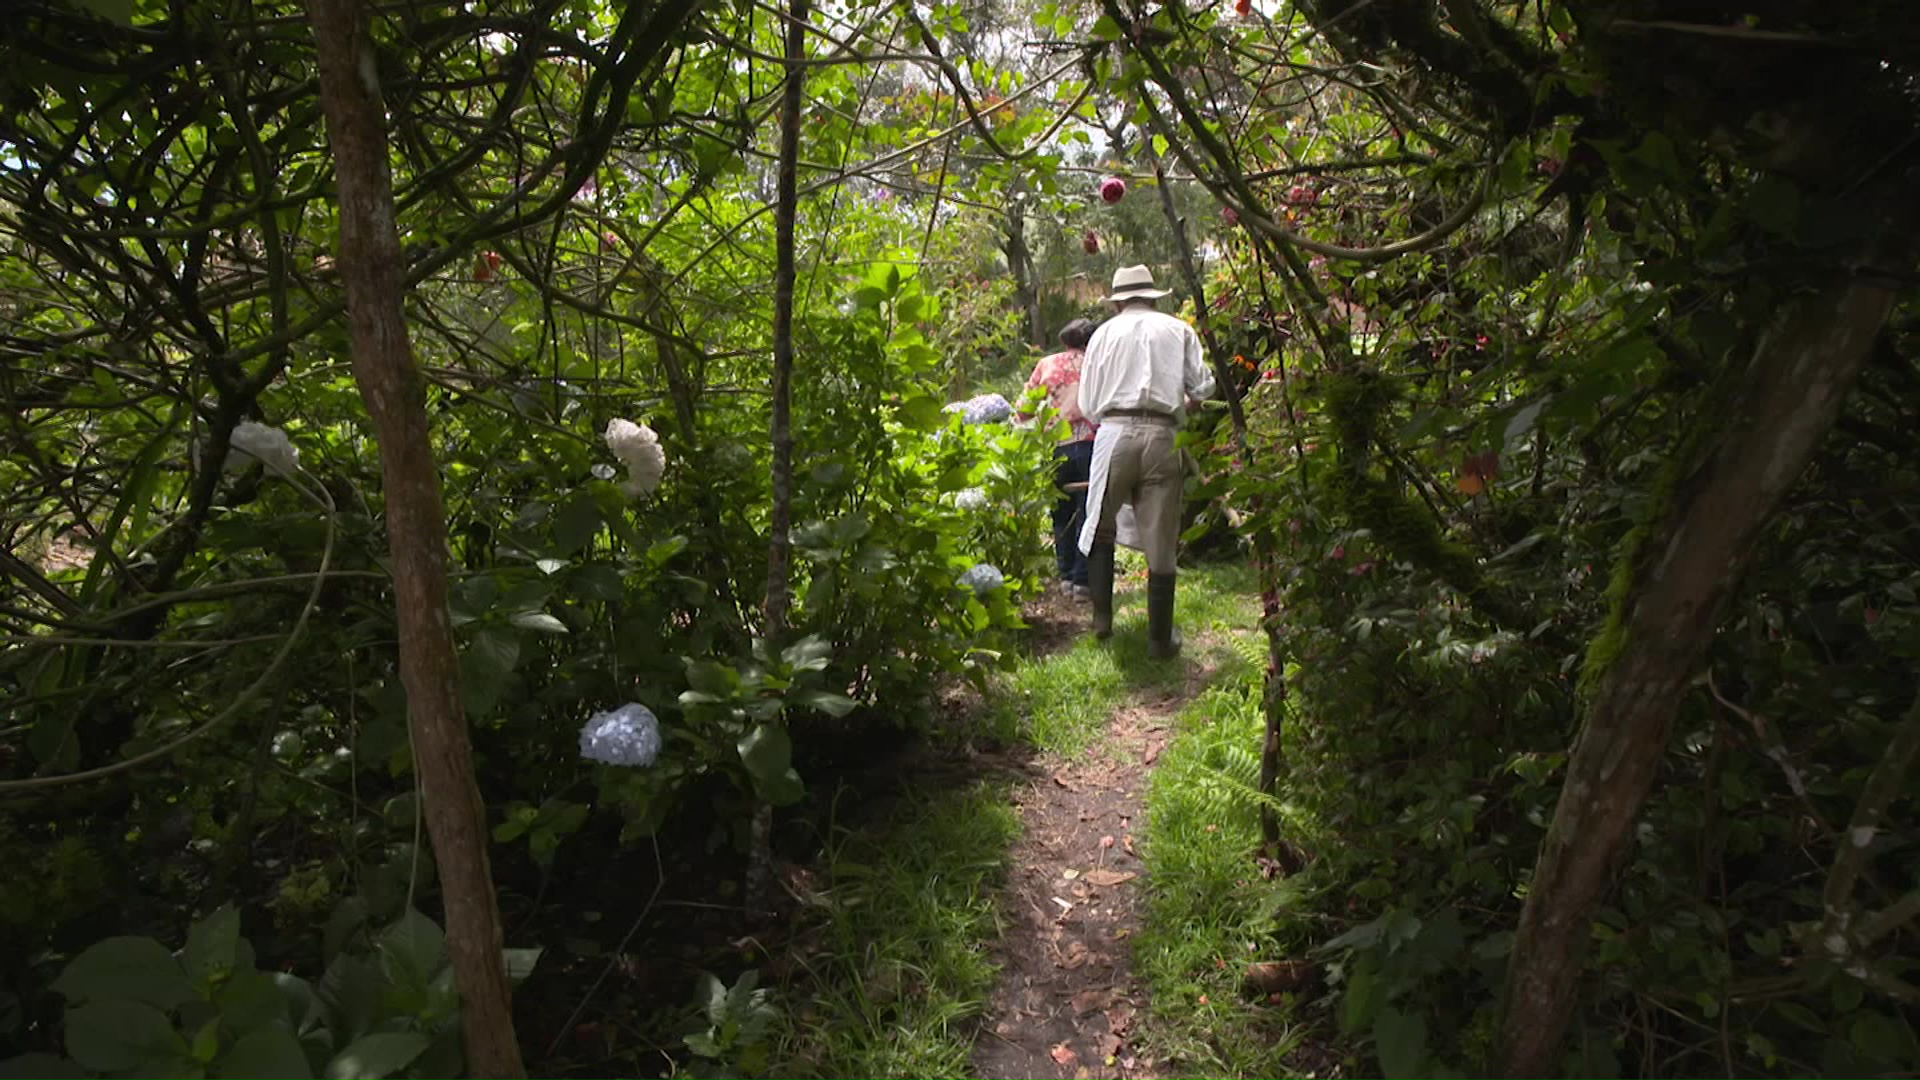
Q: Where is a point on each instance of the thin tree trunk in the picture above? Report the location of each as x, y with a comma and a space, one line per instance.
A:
1026, 291
1781, 408
1266, 556
371, 267
780, 424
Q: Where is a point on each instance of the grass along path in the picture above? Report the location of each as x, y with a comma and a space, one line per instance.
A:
932, 945
1068, 1002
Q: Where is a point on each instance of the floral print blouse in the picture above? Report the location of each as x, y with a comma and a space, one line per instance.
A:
1060, 374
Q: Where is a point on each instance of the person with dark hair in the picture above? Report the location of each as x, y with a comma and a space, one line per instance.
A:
1060, 374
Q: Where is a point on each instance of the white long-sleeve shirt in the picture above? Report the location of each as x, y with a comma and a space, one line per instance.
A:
1142, 359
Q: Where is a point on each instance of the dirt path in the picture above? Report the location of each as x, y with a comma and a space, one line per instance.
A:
1067, 1002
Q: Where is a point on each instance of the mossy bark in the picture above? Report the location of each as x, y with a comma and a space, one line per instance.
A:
1666, 600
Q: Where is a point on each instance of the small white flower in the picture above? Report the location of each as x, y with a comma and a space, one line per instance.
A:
638, 448
971, 499
604, 471
629, 735
268, 445
982, 578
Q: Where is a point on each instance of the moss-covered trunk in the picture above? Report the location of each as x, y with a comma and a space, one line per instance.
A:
1669, 591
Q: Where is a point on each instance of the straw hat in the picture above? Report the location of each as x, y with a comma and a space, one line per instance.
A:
1135, 283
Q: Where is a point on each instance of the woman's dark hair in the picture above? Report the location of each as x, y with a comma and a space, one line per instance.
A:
1076, 334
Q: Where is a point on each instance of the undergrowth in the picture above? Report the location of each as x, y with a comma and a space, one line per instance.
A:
1208, 910
896, 969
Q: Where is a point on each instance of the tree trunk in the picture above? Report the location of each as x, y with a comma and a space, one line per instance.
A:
1682, 570
1013, 241
780, 421
371, 267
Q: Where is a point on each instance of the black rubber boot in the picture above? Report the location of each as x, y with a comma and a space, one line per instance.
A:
1163, 641
1100, 585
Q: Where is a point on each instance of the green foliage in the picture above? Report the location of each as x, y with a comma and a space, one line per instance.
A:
136, 1009
900, 965
738, 1021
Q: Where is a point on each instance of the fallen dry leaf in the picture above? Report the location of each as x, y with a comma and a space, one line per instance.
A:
1127, 842
1087, 1001
1120, 1018
1062, 1054
1109, 878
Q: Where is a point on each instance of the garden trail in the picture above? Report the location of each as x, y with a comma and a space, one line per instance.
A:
1067, 1003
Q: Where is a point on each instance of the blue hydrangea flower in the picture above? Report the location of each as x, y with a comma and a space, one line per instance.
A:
982, 578
984, 409
629, 735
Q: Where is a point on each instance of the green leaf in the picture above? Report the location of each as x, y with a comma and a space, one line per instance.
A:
118, 12
206, 1042
709, 677
1881, 1037
1105, 29
521, 962
921, 412
270, 1051
666, 549
416, 942
766, 751
40, 1067
550, 566
131, 968
212, 944
372, 1057
576, 524
109, 1036
1401, 1042
810, 653
538, 620
1363, 996
494, 650
825, 700
1160, 145
1523, 420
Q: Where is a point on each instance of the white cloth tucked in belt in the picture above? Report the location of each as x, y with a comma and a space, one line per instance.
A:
1125, 532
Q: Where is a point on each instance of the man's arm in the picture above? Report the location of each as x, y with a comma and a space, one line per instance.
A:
1091, 363
1199, 377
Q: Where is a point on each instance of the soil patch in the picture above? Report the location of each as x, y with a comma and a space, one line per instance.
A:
1067, 1003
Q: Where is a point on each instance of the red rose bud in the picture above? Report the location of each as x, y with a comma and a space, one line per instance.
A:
608, 241
1090, 243
1112, 189
1229, 215
1302, 195
1243, 8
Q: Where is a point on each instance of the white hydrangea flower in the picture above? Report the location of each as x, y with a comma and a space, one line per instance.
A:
638, 448
982, 578
629, 735
971, 499
252, 441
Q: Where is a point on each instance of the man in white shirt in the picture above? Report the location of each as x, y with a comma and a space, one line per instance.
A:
1141, 370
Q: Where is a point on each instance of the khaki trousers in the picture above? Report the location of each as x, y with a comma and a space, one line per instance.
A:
1145, 469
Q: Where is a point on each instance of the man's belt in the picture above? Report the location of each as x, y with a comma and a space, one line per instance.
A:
1140, 414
